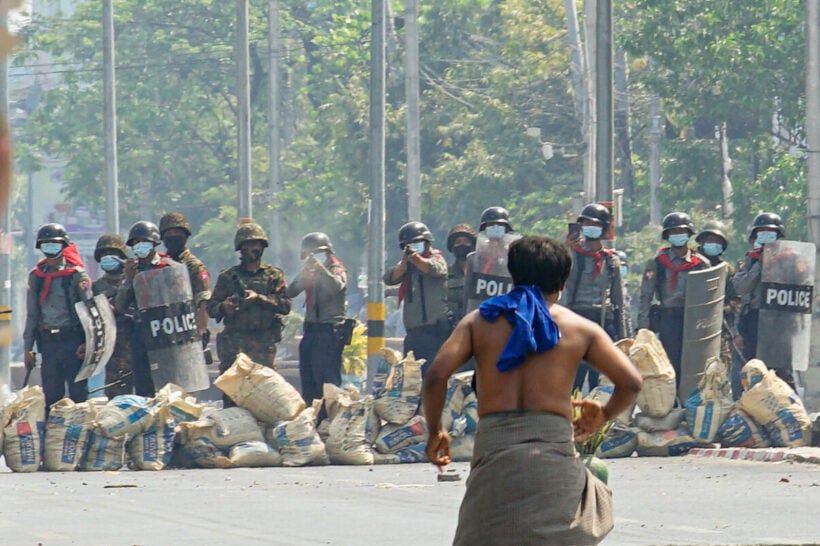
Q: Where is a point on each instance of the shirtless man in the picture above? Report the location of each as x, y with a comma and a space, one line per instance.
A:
527, 484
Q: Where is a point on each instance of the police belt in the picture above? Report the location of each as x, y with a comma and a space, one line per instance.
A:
310, 327
52, 334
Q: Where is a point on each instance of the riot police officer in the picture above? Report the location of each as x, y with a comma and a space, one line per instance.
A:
56, 283
487, 275
324, 282
422, 275
664, 279
594, 288
460, 243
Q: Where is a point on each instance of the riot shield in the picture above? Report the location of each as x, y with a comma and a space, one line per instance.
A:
487, 273
100, 329
787, 290
702, 323
168, 321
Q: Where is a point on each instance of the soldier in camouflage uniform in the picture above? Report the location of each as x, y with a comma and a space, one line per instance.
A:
111, 253
174, 230
250, 298
460, 243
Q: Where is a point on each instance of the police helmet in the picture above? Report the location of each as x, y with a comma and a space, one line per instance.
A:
595, 213
460, 230
621, 256
110, 241
249, 232
52, 232
713, 227
315, 242
143, 230
174, 220
768, 220
412, 231
675, 220
495, 215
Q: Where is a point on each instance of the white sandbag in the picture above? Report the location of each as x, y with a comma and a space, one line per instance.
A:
411, 454
200, 452
254, 454
710, 402
460, 414
387, 359
670, 443
393, 438
183, 407
461, 448
401, 396
23, 433
646, 352
260, 390
657, 396
739, 429
153, 449
299, 443
125, 414
347, 441
223, 428
603, 392
103, 453
773, 404
752, 373
671, 421
619, 441
331, 394
67, 431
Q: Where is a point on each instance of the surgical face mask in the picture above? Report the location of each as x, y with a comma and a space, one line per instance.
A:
624, 271
418, 247
248, 255
679, 240
51, 250
712, 249
592, 232
496, 231
763, 237
175, 244
110, 263
143, 249
460, 252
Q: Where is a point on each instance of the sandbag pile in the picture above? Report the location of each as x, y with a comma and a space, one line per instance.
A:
23, 430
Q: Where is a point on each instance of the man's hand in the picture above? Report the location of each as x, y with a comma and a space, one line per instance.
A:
574, 239
590, 418
250, 295
130, 268
80, 352
230, 307
416, 259
30, 359
438, 448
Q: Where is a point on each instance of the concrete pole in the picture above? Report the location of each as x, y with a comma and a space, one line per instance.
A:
411, 82
274, 124
243, 109
654, 158
603, 103
375, 248
590, 131
112, 211
813, 117
579, 86
5, 226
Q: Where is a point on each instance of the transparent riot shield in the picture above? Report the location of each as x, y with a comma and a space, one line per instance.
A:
787, 291
487, 273
100, 329
702, 323
168, 321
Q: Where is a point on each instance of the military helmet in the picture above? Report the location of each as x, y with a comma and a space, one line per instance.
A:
460, 230
768, 220
595, 213
174, 220
495, 215
110, 241
249, 232
52, 232
621, 256
314, 242
713, 227
675, 220
412, 231
143, 230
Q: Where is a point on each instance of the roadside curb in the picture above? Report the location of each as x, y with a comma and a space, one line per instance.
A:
769, 455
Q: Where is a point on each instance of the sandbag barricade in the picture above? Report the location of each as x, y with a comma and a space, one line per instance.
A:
710, 402
24, 429
66, 434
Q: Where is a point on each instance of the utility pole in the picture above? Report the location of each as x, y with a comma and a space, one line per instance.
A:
6, 242
112, 211
375, 231
579, 85
274, 123
243, 109
411, 82
590, 68
604, 126
813, 117
654, 158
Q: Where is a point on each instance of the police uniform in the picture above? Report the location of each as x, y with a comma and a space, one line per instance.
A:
53, 324
320, 351
455, 292
200, 279
118, 376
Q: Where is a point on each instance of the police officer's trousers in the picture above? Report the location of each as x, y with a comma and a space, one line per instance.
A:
320, 359
61, 364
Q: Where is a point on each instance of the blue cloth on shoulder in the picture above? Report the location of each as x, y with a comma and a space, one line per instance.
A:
534, 329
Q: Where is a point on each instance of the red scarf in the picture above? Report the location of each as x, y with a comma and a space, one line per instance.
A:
597, 254
755, 254
405, 282
71, 256
666, 261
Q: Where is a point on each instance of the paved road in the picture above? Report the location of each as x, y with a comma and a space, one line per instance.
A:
684, 500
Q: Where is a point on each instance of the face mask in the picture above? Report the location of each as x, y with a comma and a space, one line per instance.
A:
712, 249
496, 232
679, 240
460, 252
624, 271
110, 263
592, 232
143, 249
51, 250
175, 244
250, 256
763, 237
418, 247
